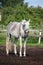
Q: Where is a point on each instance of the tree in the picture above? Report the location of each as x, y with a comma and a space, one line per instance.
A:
11, 2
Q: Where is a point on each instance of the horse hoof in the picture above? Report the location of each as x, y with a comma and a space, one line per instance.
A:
24, 55
16, 54
20, 55
7, 52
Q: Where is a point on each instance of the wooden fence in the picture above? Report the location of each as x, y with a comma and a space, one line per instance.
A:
39, 35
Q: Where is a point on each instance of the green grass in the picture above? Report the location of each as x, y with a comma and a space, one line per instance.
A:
30, 42
2, 38
35, 44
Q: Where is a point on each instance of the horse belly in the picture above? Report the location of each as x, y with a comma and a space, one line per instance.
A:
15, 33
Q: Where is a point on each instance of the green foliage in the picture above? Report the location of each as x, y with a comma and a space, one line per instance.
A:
32, 40
11, 3
14, 10
2, 38
19, 12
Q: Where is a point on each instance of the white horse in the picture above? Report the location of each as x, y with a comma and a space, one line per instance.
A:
18, 30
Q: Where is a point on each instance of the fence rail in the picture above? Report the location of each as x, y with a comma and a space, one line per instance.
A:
31, 30
4, 30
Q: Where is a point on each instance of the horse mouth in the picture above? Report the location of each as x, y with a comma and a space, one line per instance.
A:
27, 32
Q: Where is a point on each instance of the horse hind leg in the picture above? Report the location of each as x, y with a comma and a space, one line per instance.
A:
8, 45
15, 47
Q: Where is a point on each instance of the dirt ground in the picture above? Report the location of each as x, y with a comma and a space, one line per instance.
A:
34, 57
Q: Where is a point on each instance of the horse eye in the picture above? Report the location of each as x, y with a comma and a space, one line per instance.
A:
23, 26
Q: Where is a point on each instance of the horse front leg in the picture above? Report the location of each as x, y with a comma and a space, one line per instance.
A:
15, 47
25, 46
15, 50
20, 46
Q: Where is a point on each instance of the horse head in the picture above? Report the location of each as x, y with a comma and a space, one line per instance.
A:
25, 25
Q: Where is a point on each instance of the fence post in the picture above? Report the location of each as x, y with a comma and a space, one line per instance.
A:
0, 16
39, 37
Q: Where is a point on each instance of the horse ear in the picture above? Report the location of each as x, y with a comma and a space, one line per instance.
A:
23, 21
